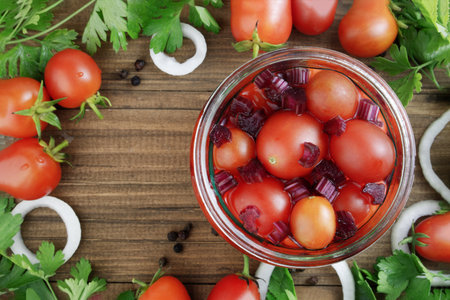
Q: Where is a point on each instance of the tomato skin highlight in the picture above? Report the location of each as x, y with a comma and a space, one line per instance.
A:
166, 288
313, 222
18, 94
368, 29
269, 196
279, 144
312, 17
437, 227
26, 171
273, 18
363, 152
73, 74
232, 287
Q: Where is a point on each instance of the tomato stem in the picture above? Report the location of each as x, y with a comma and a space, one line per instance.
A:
246, 269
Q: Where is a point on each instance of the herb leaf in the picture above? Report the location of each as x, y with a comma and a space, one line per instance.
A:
135, 17
214, 3
48, 259
363, 291
405, 86
280, 284
200, 16
399, 64
9, 224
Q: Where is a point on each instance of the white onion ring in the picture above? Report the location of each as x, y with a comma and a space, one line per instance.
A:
402, 226
346, 278
171, 66
262, 275
66, 213
424, 155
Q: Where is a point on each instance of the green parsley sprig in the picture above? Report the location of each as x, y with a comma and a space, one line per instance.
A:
423, 45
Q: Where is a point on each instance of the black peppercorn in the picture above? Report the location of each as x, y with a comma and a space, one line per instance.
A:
162, 262
123, 74
313, 280
188, 227
139, 64
177, 248
135, 80
172, 236
183, 234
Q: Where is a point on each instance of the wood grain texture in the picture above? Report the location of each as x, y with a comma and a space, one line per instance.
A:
130, 180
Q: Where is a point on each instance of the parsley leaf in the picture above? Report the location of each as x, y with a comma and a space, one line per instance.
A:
9, 224
281, 285
363, 291
405, 86
79, 287
199, 16
399, 64
214, 3
12, 276
107, 15
136, 18
48, 259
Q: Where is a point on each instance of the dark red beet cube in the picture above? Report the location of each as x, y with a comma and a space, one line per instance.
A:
298, 188
280, 232
241, 105
279, 84
273, 95
326, 168
248, 217
220, 135
253, 171
297, 76
326, 188
224, 181
346, 226
264, 79
335, 126
310, 155
367, 110
294, 99
377, 191
251, 123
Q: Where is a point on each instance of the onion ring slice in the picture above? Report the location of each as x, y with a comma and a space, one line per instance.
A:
66, 213
171, 66
425, 158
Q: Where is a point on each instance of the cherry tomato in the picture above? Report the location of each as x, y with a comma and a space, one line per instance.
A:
313, 17
313, 222
73, 74
233, 287
271, 18
26, 171
330, 94
269, 197
19, 94
359, 204
279, 144
363, 152
438, 244
236, 153
166, 288
368, 29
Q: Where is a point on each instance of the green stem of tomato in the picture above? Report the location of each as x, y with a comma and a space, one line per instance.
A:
246, 270
54, 26
62, 145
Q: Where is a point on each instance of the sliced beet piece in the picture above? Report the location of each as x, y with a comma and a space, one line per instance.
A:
248, 217
346, 226
377, 191
298, 188
241, 105
224, 181
310, 155
253, 171
367, 110
280, 232
220, 135
273, 95
294, 99
326, 188
264, 79
327, 168
297, 76
279, 84
335, 126
251, 123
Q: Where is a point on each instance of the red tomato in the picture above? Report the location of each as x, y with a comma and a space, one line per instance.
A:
438, 244
26, 171
166, 288
279, 144
330, 94
359, 204
313, 17
233, 287
271, 18
236, 153
368, 28
363, 152
19, 94
313, 222
259, 100
268, 196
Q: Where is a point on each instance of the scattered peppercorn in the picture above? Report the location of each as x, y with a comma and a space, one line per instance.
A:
178, 248
313, 280
123, 74
139, 64
172, 236
162, 262
135, 80
183, 234
188, 227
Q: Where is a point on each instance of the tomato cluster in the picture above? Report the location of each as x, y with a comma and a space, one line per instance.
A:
301, 157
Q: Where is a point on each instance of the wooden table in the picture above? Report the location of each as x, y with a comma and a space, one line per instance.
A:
130, 181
